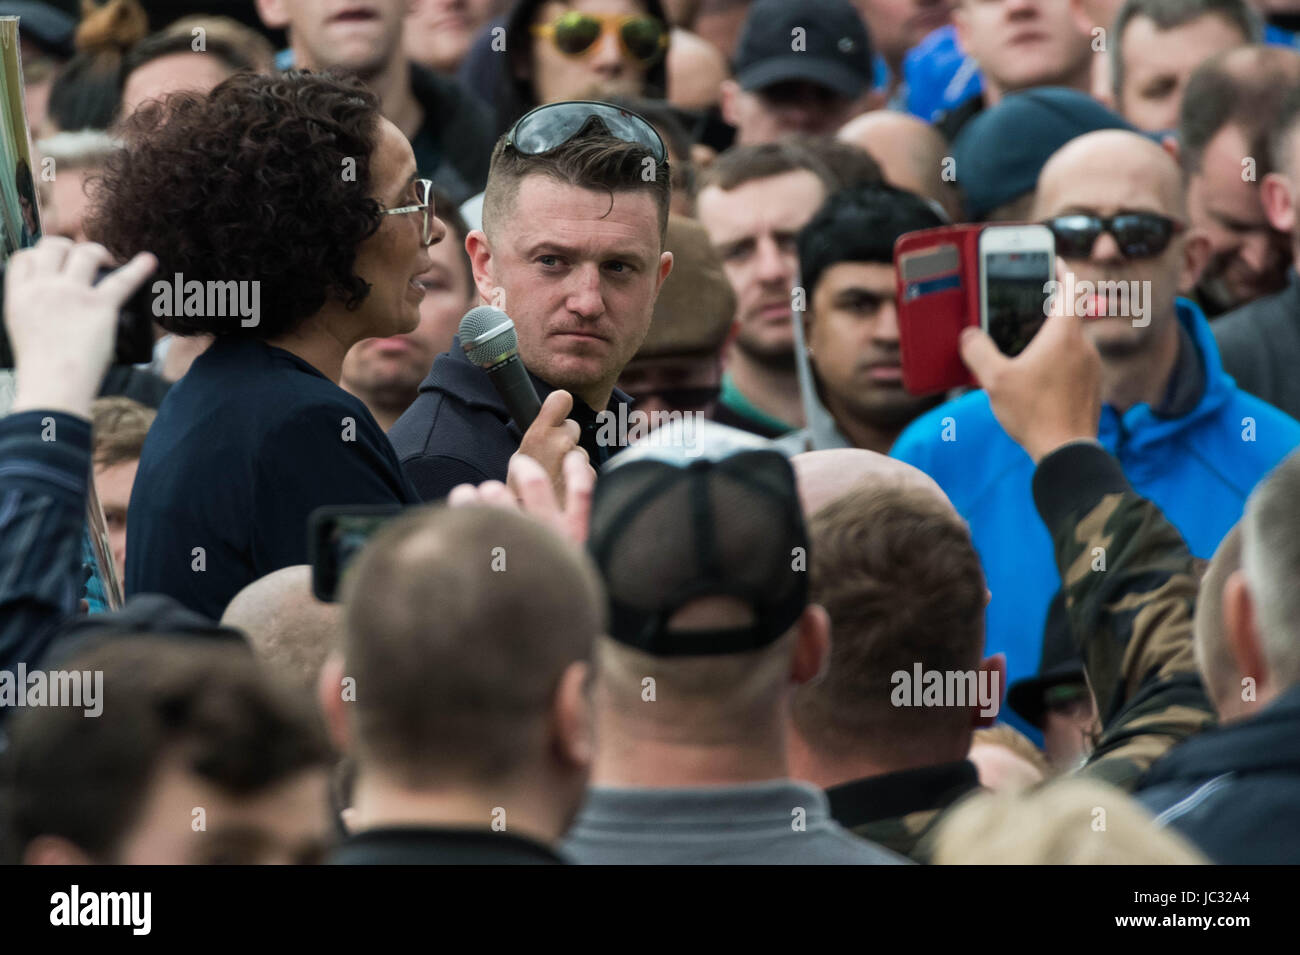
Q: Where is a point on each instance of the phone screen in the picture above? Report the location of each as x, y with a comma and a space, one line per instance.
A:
337, 536
1014, 296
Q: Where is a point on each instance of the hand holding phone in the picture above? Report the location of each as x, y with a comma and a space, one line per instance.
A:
954, 277
1047, 396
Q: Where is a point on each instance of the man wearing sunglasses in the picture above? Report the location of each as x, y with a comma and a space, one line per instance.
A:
555, 50
1189, 440
572, 248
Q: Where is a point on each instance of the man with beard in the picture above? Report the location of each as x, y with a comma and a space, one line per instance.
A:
753, 201
846, 260
1260, 341
449, 129
1187, 437
385, 373
1232, 103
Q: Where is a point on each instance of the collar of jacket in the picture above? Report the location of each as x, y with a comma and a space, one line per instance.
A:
897, 794
455, 375
1142, 425
1266, 742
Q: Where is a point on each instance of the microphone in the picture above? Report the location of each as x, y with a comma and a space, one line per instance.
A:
488, 336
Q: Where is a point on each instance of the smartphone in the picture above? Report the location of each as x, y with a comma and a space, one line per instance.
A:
934, 276
1016, 267
335, 537
134, 341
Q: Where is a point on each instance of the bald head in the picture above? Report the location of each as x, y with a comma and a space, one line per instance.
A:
1213, 657
826, 476
910, 153
695, 71
290, 630
1111, 169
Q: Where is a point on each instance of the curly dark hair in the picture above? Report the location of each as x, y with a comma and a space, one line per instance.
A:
267, 178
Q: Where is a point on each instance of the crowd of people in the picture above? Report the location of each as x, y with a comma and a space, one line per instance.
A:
734, 594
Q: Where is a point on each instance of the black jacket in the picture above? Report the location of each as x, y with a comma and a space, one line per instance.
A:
246, 445
458, 431
418, 845
901, 810
1259, 345
1235, 791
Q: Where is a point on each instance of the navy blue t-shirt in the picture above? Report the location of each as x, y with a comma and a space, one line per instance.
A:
244, 448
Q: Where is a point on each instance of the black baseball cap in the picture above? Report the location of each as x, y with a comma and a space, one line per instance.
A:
833, 49
678, 524
1061, 665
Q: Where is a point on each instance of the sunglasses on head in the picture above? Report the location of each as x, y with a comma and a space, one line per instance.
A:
551, 126
643, 38
1139, 235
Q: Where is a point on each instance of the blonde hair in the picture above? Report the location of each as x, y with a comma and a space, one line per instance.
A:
1010, 738
1069, 821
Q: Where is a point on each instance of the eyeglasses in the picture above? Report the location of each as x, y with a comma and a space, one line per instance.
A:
575, 34
1139, 235
423, 189
548, 127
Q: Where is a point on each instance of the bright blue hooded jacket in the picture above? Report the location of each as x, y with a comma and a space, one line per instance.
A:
1198, 468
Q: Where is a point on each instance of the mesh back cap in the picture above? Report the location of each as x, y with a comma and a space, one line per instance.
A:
666, 532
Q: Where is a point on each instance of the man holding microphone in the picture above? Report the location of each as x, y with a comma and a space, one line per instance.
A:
572, 249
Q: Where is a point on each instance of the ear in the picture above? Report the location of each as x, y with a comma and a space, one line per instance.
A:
1079, 17
812, 648
329, 694
273, 13
996, 668
960, 25
480, 260
1279, 203
1196, 253
1241, 630
571, 724
54, 850
665, 269
728, 104
1171, 145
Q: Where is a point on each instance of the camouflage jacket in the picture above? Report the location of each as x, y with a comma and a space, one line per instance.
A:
900, 810
1130, 586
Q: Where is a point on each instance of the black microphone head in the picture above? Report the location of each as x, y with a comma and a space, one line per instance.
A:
488, 335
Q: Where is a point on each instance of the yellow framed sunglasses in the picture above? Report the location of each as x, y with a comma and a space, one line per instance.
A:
642, 38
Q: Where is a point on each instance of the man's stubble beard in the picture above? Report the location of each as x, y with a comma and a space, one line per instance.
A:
391, 391
888, 412
772, 357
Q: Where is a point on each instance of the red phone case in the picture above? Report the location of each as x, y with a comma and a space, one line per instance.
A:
935, 304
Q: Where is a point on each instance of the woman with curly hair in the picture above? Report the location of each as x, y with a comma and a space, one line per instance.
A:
289, 224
